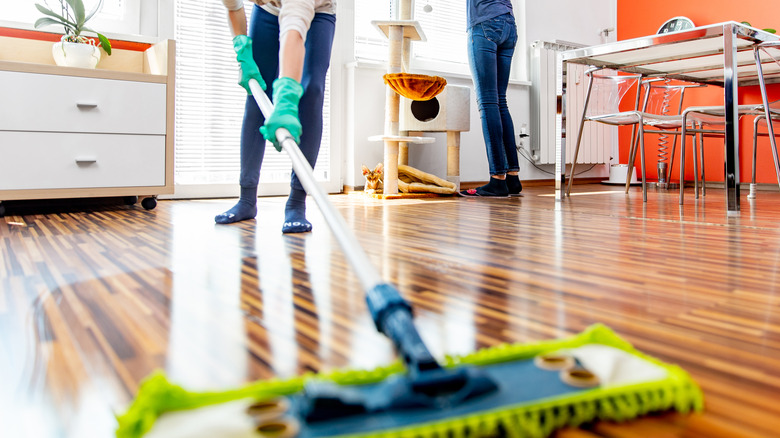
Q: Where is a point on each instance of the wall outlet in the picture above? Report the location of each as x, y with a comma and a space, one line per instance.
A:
523, 136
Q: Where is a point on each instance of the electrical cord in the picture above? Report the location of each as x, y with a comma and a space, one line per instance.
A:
523, 153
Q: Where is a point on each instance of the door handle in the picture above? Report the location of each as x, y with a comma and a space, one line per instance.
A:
86, 105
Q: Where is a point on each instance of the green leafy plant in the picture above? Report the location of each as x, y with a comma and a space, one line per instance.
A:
765, 30
74, 18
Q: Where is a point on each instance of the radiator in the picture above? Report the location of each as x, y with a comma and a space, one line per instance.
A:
597, 139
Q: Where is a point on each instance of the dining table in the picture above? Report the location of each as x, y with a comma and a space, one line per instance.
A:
716, 54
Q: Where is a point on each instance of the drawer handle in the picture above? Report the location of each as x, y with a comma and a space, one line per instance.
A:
86, 160
86, 105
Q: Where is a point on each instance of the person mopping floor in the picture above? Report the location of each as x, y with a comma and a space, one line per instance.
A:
288, 44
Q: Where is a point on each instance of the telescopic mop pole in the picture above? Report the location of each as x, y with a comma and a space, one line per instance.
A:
391, 313
368, 275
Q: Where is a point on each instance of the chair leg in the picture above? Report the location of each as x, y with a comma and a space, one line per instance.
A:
701, 165
579, 135
773, 143
571, 170
671, 160
682, 161
767, 111
642, 160
698, 147
632, 158
752, 194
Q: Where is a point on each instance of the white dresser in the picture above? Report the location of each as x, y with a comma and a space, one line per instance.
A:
71, 132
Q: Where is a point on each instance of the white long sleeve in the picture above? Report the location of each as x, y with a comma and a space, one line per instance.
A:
293, 14
296, 15
233, 5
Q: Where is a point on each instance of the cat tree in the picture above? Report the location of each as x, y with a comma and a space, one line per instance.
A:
400, 33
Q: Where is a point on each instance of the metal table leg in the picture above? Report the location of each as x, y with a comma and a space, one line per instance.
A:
730, 91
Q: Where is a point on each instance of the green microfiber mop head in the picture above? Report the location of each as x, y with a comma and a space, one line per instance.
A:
535, 417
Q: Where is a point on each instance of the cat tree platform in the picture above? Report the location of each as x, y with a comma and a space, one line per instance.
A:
411, 29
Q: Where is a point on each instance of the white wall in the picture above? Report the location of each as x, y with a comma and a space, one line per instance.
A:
568, 20
577, 21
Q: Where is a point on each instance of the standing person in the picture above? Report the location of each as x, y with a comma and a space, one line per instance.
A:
288, 44
492, 35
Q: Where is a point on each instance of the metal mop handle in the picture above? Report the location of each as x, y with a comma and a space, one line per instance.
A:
391, 313
365, 271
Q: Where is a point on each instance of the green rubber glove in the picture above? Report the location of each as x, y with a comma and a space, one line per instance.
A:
287, 94
242, 44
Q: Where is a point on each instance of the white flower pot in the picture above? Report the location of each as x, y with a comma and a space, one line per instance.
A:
75, 54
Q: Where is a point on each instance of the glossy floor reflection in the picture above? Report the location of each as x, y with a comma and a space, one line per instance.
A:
94, 299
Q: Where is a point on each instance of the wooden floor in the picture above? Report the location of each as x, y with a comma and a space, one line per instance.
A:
94, 298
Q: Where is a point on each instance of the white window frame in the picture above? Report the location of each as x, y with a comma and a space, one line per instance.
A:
275, 173
519, 61
22, 14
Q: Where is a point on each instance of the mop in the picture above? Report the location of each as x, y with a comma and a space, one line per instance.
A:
512, 390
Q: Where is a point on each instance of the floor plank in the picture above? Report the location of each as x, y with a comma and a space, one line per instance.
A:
95, 297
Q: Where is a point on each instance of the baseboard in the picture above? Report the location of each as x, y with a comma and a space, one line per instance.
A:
526, 183
594, 180
536, 182
742, 185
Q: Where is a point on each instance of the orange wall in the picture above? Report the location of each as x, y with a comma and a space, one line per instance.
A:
636, 19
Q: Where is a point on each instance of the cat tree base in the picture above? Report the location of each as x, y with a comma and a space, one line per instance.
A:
401, 195
390, 180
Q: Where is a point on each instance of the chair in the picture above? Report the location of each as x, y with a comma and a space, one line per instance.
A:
714, 116
660, 95
768, 52
756, 133
610, 88
772, 52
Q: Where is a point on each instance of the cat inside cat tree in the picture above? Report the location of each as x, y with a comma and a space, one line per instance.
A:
410, 180
373, 179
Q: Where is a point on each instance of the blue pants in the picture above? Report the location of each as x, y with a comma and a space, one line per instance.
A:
264, 32
491, 46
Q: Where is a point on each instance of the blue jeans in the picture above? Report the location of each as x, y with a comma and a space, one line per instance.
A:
264, 32
491, 46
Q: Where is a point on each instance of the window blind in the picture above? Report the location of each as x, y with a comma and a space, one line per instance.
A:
445, 29
210, 104
370, 44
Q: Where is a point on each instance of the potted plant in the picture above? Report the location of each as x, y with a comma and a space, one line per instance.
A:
74, 49
770, 30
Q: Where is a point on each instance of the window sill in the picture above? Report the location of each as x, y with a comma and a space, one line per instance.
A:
112, 36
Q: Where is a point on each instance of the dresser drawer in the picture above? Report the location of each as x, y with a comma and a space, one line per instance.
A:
53, 103
42, 160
